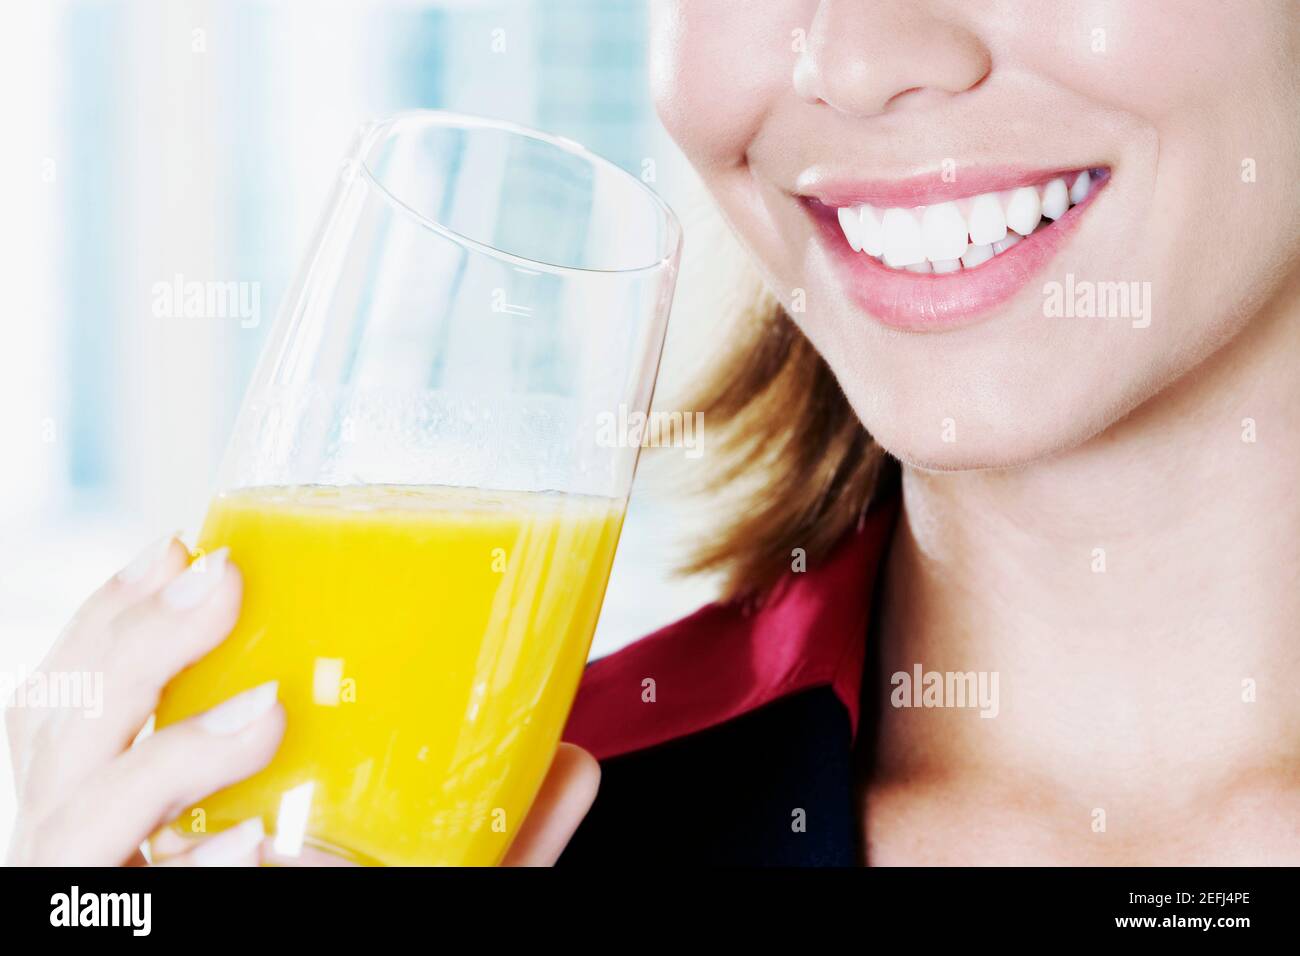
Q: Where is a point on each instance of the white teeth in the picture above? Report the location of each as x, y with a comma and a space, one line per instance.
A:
902, 238
988, 221
977, 255
849, 223
942, 238
943, 232
870, 231
1005, 244
1082, 186
1056, 199
1024, 210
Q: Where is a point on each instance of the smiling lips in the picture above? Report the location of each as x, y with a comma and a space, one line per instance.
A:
923, 266
948, 236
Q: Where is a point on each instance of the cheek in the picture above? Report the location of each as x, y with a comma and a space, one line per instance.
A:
1218, 91
716, 71
1156, 57
1214, 132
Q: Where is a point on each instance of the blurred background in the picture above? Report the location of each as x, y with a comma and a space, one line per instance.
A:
156, 138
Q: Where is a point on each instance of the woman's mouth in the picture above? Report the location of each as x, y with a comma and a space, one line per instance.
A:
927, 265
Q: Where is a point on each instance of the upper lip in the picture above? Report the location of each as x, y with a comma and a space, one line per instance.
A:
922, 189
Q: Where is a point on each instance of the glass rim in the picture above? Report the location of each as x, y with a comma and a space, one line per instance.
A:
373, 132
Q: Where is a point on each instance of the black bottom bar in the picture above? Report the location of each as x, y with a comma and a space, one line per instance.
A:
382, 907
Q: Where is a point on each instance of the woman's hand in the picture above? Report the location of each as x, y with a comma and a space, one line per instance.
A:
86, 797
565, 797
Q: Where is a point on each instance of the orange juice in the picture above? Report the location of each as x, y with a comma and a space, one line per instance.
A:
428, 642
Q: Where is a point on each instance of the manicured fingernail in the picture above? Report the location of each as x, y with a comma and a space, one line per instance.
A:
241, 710
230, 847
232, 716
145, 561
197, 581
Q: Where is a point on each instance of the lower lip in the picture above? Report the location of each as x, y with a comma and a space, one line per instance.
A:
925, 302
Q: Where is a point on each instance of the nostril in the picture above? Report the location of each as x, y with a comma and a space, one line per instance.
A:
917, 96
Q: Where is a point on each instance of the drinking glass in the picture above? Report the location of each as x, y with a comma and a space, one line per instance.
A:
423, 492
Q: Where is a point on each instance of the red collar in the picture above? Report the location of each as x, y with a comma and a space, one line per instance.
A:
727, 659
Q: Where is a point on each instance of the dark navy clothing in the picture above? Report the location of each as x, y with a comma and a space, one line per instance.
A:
727, 738
731, 795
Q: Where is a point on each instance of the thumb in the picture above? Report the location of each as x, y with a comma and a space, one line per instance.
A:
561, 804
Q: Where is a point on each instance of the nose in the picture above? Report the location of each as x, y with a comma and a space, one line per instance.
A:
865, 58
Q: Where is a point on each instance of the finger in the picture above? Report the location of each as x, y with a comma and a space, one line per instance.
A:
117, 808
80, 647
155, 640
566, 796
151, 642
167, 843
143, 577
240, 845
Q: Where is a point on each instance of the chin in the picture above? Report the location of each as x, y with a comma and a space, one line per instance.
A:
1004, 428
994, 449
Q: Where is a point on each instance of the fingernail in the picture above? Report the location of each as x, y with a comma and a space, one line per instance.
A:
197, 581
145, 561
230, 847
232, 716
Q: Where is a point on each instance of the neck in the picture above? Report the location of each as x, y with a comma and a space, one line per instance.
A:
1137, 596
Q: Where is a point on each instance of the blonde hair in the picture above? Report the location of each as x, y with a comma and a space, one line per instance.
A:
789, 464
